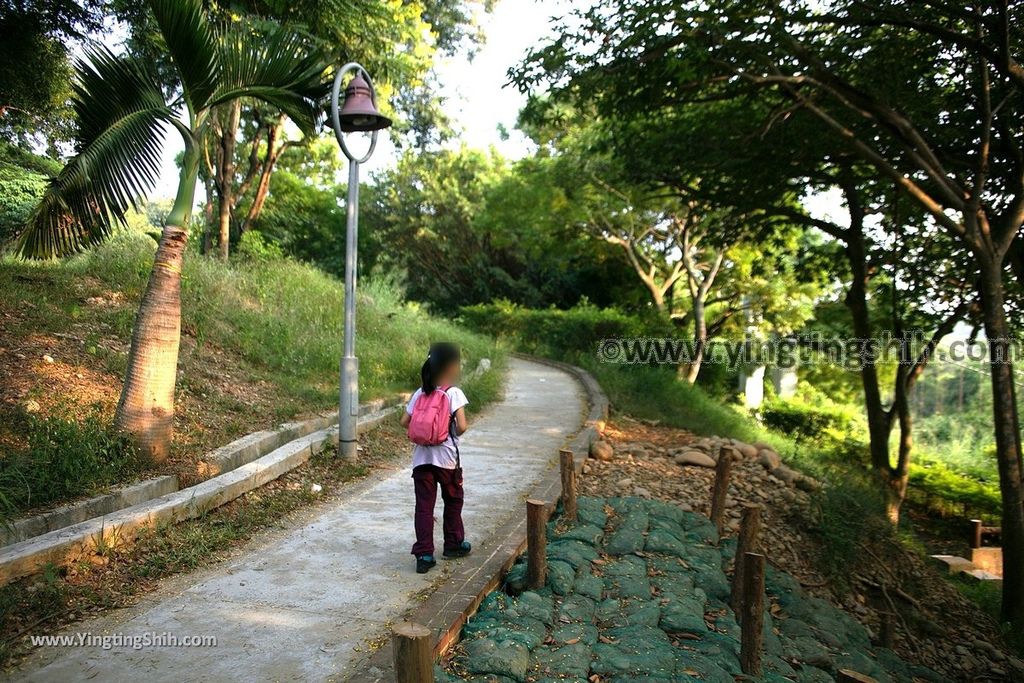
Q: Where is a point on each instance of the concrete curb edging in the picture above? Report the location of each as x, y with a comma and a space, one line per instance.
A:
251, 446
66, 515
82, 539
447, 609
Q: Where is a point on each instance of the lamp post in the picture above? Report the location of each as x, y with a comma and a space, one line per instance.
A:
358, 114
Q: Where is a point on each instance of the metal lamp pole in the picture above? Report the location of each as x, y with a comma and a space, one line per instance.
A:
358, 114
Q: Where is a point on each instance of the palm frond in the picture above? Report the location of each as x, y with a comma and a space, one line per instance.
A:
192, 42
278, 66
121, 119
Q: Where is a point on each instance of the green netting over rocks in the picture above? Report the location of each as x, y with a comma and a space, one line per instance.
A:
636, 593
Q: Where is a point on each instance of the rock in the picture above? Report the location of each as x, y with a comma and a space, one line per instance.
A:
734, 453
602, 450
748, 450
809, 484
694, 458
623, 483
785, 474
48, 359
641, 492
769, 459
31, 406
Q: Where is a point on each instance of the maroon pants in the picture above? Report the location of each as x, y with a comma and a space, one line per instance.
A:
426, 479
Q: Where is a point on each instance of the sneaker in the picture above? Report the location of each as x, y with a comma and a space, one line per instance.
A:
461, 551
424, 563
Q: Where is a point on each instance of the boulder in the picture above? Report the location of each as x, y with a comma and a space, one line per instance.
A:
809, 484
695, 459
785, 474
748, 450
732, 451
769, 459
602, 450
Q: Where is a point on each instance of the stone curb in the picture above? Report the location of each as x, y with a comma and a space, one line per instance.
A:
70, 543
66, 515
252, 446
446, 610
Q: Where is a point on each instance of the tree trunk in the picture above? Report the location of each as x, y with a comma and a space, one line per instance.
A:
228, 140
899, 476
691, 369
879, 422
1007, 433
207, 244
146, 409
263, 186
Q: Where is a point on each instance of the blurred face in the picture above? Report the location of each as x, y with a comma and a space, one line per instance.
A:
451, 373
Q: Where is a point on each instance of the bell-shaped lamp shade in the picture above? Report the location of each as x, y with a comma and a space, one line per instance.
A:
359, 113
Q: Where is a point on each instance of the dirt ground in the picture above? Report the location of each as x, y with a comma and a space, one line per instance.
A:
934, 623
71, 372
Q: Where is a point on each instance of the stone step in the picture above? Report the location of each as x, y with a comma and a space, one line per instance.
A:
954, 564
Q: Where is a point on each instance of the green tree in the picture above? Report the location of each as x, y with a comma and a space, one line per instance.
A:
35, 71
927, 94
396, 41
122, 114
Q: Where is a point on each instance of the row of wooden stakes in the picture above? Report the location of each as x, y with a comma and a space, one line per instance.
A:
412, 643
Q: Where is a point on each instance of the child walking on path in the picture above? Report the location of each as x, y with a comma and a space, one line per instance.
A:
435, 418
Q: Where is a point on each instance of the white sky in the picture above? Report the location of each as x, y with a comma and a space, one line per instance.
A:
479, 99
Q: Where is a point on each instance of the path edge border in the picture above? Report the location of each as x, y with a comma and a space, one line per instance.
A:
64, 545
452, 603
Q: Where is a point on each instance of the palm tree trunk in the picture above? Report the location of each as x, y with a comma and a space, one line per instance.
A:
146, 409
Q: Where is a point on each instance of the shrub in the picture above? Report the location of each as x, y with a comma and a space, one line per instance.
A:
255, 247
565, 334
852, 512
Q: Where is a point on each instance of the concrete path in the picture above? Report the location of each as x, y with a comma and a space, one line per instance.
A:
296, 608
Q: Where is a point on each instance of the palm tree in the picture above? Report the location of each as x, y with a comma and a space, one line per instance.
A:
122, 115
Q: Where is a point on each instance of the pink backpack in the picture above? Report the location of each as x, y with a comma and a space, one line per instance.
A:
430, 423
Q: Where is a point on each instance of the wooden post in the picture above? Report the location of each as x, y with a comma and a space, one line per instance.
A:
536, 543
720, 488
887, 630
413, 650
750, 530
976, 532
565, 457
847, 676
753, 614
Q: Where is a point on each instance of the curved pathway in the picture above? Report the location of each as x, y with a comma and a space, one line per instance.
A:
301, 606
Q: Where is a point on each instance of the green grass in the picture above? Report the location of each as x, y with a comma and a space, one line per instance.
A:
286, 317
263, 338
66, 458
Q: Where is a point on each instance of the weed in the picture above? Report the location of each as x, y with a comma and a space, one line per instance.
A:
66, 458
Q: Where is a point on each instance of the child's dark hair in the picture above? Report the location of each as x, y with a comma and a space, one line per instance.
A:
439, 358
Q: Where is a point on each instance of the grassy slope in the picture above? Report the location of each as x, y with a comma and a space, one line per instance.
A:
261, 342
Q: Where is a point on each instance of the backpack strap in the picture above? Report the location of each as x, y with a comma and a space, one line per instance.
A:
451, 429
